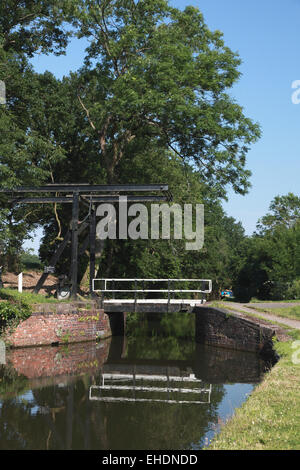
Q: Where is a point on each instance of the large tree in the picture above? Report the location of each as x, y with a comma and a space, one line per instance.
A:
156, 72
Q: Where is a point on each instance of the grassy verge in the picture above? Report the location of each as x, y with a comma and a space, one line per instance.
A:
257, 301
27, 297
286, 312
270, 418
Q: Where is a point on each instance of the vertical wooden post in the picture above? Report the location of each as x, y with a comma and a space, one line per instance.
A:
1, 282
74, 258
92, 248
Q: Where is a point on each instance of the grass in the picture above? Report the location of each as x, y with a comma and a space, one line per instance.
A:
286, 312
257, 301
270, 418
27, 297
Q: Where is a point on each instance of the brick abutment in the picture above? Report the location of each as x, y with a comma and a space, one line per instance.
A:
52, 324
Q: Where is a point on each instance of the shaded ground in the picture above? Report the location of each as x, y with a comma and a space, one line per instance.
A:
30, 280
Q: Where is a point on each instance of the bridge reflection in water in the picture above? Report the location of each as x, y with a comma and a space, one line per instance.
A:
121, 395
163, 384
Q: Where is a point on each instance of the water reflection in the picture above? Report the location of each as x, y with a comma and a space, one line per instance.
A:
121, 394
164, 385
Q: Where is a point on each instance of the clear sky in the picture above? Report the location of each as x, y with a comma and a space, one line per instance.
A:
265, 33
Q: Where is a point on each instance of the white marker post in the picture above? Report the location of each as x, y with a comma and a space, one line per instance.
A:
20, 282
2, 92
2, 352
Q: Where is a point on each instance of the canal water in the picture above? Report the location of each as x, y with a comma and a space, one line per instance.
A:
151, 389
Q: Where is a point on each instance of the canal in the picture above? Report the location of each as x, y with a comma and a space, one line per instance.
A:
155, 388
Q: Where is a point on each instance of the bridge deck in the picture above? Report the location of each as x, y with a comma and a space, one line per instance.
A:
151, 305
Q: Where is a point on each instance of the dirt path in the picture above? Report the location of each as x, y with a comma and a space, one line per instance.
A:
30, 279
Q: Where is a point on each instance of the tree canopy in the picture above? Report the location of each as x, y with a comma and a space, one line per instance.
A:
284, 212
155, 72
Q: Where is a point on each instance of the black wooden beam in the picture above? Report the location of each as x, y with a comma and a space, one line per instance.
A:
42, 200
69, 188
87, 198
74, 256
92, 249
130, 198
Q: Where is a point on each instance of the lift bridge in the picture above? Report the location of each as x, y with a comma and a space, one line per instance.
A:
167, 294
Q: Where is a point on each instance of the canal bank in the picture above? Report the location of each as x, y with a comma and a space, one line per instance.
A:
234, 330
270, 417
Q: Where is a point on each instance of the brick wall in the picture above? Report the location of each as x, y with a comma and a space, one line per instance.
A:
60, 323
218, 327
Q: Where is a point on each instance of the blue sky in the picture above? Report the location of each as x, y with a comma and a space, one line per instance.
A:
265, 33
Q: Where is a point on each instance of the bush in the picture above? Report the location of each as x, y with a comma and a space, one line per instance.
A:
11, 314
30, 262
293, 291
273, 290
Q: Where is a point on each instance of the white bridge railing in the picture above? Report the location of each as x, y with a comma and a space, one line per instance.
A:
108, 286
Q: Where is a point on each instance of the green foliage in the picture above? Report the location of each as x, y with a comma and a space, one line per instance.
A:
9, 311
30, 26
284, 212
12, 313
271, 263
293, 291
28, 298
30, 261
26, 152
156, 73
